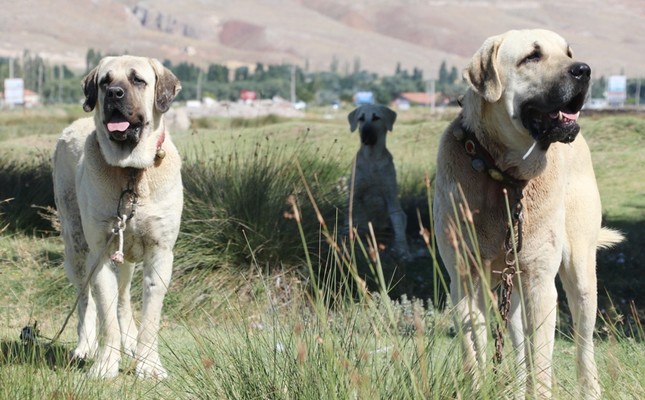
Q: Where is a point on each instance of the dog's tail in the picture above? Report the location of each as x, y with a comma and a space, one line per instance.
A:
608, 238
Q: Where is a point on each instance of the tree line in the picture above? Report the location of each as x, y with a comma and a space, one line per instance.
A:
59, 84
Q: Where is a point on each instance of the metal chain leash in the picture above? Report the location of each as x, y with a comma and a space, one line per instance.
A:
512, 245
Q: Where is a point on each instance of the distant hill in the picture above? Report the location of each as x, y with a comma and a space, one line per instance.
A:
373, 35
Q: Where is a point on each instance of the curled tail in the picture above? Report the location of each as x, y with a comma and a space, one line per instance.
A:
608, 238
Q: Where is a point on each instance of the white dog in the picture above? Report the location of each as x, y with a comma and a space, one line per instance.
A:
119, 195
375, 191
518, 131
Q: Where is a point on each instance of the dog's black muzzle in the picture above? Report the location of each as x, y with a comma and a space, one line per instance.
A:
122, 122
370, 133
553, 116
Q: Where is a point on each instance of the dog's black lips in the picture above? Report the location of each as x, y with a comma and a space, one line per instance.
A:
548, 123
131, 134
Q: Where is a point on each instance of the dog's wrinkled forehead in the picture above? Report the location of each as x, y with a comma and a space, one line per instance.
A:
534, 45
124, 68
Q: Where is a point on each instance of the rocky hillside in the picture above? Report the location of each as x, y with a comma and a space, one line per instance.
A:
372, 34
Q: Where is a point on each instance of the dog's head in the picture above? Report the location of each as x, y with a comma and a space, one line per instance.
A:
373, 122
129, 95
533, 74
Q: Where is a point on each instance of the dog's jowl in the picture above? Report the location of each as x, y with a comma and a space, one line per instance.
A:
518, 134
118, 190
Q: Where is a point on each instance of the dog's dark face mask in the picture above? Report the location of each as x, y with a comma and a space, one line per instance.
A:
369, 133
552, 115
123, 117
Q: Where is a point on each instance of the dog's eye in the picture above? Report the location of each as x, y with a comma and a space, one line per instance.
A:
536, 55
375, 117
138, 81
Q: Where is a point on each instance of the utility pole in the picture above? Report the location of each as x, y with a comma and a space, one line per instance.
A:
200, 77
293, 84
431, 94
637, 100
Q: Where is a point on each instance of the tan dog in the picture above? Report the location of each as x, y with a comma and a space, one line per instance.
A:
518, 131
119, 195
375, 191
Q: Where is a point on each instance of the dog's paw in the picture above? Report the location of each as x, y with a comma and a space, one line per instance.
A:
151, 370
130, 346
82, 353
106, 366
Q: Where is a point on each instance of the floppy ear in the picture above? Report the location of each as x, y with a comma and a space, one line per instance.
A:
482, 73
90, 89
389, 117
353, 119
166, 87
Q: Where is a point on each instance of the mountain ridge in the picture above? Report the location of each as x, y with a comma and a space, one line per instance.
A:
376, 35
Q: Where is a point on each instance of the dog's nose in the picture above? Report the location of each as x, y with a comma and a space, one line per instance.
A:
580, 71
115, 92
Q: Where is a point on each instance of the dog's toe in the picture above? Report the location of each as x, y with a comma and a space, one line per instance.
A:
147, 370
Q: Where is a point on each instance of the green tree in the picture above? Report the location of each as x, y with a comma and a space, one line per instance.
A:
217, 73
242, 73
443, 73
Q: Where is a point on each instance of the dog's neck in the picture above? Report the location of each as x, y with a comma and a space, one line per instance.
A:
375, 151
161, 153
487, 124
483, 162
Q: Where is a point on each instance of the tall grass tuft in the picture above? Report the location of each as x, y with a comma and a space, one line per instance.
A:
236, 207
25, 186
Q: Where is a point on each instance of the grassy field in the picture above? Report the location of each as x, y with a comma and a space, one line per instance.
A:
241, 319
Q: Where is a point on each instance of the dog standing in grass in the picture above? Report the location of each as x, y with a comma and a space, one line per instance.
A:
374, 194
118, 190
518, 132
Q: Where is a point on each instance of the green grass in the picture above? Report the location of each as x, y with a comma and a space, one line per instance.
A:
242, 318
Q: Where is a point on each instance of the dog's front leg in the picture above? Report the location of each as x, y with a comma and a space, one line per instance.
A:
126, 321
105, 290
470, 320
75, 260
157, 272
399, 221
516, 330
540, 301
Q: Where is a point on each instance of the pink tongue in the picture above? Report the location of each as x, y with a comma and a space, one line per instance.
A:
573, 117
118, 126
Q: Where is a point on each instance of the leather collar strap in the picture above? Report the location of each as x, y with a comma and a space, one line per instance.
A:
482, 161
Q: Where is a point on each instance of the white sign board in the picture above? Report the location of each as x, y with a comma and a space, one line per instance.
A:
14, 91
616, 89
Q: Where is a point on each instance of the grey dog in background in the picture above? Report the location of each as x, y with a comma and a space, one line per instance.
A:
374, 194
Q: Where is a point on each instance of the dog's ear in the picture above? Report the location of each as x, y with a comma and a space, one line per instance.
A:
482, 73
167, 86
389, 117
352, 117
90, 89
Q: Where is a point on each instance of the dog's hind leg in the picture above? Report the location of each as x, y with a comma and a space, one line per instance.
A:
127, 325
